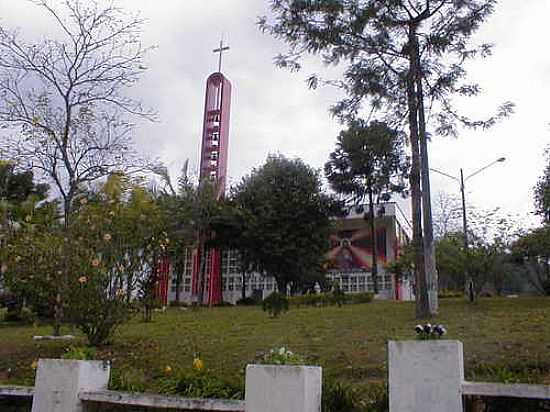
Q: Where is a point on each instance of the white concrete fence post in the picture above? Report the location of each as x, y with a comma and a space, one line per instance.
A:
274, 388
425, 376
59, 381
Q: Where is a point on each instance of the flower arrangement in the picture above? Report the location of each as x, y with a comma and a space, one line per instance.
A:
282, 356
429, 331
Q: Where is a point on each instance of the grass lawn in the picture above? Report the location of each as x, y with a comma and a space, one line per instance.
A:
504, 340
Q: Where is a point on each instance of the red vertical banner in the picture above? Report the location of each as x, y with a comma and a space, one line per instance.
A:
162, 272
215, 283
195, 273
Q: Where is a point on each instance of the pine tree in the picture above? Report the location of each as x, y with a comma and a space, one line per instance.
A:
368, 164
400, 57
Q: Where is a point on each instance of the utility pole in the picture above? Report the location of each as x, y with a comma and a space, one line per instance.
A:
461, 180
469, 281
464, 219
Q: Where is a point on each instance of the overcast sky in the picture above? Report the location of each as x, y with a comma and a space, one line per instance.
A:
274, 112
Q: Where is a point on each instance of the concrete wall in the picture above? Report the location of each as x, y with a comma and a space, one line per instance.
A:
425, 376
271, 388
65, 385
59, 381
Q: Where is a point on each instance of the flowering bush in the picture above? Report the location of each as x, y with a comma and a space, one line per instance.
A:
282, 356
197, 382
428, 331
205, 384
88, 270
198, 364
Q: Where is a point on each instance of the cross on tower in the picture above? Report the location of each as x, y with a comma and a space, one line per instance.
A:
220, 50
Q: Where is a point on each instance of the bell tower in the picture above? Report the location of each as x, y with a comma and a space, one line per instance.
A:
206, 280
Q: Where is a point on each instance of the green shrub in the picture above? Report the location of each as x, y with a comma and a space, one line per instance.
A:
338, 295
248, 301
27, 315
7, 300
207, 385
375, 397
365, 297
12, 316
532, 374
20, 314
95, 312
318, 300
339, 397
179, 304
275, 304
447, 293
343, 397
298, 301
79, 353
128, 380
223, 304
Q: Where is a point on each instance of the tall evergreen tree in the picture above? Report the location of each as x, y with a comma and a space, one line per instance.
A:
401, 56
368, 164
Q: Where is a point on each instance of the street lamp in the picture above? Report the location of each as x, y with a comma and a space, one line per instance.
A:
461, 181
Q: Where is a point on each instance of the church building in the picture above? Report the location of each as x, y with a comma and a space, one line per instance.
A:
349, 261
350, 257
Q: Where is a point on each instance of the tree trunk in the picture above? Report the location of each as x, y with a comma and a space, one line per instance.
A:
58, 315
148, 313
281, 285
63, 281
129, 286
374, 270
243, 287
421, 296
429, 246
202, 272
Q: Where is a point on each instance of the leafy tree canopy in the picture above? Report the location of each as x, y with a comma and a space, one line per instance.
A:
542, 192
368, 160
18, 186
373, 39
532, 250
290, 221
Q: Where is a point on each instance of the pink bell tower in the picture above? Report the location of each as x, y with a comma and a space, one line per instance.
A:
213, 167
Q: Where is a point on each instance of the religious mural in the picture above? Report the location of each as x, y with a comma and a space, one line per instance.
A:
352, 249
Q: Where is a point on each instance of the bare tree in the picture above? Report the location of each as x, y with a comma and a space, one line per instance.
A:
64, 98
447, 214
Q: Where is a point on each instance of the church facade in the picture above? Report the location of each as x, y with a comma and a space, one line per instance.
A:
349, 261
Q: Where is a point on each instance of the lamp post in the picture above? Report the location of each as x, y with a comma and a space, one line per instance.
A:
461, 180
